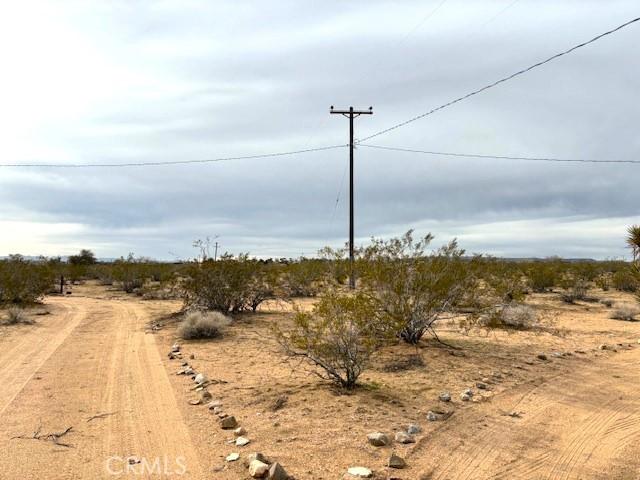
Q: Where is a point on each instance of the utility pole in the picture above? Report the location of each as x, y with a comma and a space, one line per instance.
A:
215, 255
351, 114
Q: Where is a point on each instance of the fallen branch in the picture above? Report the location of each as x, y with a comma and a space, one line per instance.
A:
100, 415
48, 437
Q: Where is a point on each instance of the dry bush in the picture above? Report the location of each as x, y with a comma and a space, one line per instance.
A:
512, 316
607, 302
338, 336
576, 289
627, 313
16, 316
203, 325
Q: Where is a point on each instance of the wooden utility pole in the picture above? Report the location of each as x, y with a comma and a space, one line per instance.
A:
351, 114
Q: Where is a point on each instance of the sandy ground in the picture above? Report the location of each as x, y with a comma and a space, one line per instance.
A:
578, 412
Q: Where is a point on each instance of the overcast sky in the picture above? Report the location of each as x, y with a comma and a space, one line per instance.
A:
136, 81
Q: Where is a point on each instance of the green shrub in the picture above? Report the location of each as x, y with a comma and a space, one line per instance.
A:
625, 281
230, 284
542, 276
512, 316
130, 272
338, 336
198, 325
413, 288
23, 281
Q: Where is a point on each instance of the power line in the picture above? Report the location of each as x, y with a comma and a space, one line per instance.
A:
499, 157
498, 82
170, 162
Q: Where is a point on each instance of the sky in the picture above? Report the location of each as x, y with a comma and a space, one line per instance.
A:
153, 81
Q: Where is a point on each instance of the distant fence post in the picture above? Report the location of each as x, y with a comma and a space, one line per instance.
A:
61, 284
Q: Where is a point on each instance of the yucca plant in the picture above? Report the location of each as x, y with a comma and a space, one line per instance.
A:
633, 241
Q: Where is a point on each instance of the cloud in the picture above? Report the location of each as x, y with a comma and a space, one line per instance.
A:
128, 82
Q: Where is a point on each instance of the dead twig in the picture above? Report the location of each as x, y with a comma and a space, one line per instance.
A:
100, 415
48, 437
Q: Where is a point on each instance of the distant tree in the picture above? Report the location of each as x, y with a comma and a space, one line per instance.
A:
85, 257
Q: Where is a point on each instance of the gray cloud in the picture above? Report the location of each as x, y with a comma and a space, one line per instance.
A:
192, 80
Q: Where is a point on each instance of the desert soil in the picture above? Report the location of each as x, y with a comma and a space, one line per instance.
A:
94, 364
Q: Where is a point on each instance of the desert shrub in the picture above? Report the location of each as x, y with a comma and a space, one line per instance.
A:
514, 316
197, 325
542, 276
17, 315
625, 281
625, 312
501, 281
576, 289
230, 284
413, 288
607, 302
338, 336
130, 272
24, 281
603, 281
303, 278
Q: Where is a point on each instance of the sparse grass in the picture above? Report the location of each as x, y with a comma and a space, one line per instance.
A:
203, 325
627, 313
17, 316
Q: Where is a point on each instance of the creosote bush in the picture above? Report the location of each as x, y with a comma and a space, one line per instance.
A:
338, 336
198, 325
24, 281
413, 288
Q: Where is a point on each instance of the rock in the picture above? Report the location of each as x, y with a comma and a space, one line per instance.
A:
217, 410
360, 472
396, 462
255, 456
175, 348
242, 441
465, 397
240, 431
258, 469
228, 423
413, 429
482, 385
232, 457
205, 396
404, 438
213, 404
192, 356
200, 378
541, 356
603, 347
556, 354
432, 417
445, 397
469, 392
378, 439
218, 468
194, 402
276, 472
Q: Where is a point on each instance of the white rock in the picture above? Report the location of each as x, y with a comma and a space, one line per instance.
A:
360, 472
445, 397
232, 457
413, 429
240, 431
242, 441
378, 439
200, 378
404, 438
257, 469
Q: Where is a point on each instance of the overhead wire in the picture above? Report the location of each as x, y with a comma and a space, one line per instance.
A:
500, 81
499, 157
171, 162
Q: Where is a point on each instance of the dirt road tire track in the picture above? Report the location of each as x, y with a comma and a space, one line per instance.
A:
94, 359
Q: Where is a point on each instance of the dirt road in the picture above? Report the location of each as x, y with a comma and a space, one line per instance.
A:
90, 357
91, 366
